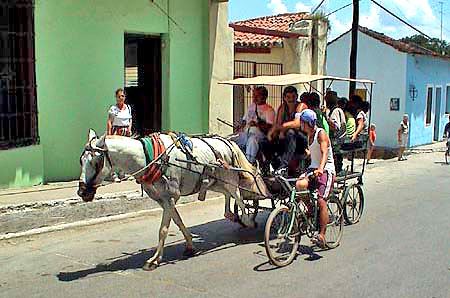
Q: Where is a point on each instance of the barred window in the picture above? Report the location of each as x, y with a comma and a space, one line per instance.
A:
18, 105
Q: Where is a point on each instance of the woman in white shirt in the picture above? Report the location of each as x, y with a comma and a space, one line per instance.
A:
119, 116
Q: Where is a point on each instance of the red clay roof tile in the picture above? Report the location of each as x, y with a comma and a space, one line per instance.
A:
281, 22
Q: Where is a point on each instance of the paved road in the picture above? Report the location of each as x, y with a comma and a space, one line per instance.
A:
399, 249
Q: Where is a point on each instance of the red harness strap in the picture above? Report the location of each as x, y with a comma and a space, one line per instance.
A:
154, 171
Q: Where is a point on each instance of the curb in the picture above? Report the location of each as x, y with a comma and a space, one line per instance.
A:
94, 221
131, 194
35, 215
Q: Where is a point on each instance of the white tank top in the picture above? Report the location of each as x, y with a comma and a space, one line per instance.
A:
316, 154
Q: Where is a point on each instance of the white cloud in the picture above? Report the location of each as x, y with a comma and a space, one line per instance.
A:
300, 7
277, 6
420, 9
372, 20
338, 27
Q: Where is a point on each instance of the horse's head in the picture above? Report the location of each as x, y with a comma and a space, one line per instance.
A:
95, 166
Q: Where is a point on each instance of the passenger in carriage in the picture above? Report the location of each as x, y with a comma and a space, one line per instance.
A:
314, 104
337, 122
350, 124
290, 140
362, 129
322, 165
255, 124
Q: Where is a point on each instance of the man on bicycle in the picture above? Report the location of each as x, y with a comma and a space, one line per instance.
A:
447, 132
322, 166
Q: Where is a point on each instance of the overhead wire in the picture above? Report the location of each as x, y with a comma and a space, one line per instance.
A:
400, 19
317, 7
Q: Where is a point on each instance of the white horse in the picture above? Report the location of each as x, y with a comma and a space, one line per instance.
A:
103, 155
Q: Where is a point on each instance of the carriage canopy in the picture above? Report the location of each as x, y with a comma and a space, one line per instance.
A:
290, 79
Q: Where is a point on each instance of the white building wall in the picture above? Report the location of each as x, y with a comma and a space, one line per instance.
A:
221, 68
381, 63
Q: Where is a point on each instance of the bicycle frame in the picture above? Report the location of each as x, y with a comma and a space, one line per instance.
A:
293, 204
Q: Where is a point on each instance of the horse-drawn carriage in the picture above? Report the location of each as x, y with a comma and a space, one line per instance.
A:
172, 165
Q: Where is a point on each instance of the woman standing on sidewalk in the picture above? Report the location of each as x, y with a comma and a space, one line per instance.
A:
119, 122
119, 118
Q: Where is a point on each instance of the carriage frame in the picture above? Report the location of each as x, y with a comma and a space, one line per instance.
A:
349, 186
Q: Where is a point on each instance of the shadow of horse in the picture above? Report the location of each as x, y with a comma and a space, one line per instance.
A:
208, 238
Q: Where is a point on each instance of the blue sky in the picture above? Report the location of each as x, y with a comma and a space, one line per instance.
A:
423, 14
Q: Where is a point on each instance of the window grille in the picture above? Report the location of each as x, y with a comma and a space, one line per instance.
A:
249, 69
18, 105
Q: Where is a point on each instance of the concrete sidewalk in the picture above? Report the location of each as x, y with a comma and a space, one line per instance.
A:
57, 203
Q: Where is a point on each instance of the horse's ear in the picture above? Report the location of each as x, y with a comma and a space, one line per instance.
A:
101, 142
92, 135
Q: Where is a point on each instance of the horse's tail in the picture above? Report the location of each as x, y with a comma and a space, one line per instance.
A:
253, 180
242, 162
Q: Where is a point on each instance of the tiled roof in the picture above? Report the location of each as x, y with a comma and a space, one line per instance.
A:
402, 46
281, 22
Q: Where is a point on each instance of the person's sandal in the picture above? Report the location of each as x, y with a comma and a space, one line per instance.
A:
319, 241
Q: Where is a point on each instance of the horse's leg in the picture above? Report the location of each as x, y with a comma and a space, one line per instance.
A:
236, 194
154, 261
228, 214
189, 251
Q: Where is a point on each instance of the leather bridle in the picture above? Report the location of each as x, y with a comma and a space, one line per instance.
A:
103, 152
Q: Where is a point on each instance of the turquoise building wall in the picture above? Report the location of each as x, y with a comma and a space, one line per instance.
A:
423, 72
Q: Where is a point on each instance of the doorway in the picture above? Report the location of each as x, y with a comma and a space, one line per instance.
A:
437, 114
143, 81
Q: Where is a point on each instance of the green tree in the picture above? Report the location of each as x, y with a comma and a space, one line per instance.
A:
433, 44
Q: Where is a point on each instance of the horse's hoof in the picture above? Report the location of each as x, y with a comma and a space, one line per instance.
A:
230, 216
189, 252
149, 267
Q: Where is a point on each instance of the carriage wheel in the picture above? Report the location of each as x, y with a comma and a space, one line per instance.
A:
353, 203
280, 243
251, 210
335, 226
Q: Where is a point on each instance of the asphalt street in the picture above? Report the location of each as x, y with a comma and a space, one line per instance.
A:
400, 248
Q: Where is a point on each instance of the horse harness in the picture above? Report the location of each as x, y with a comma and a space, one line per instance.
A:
153, 148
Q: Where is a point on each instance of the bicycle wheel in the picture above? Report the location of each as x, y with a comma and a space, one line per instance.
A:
335, 226
281, 246
353, 203
447, 157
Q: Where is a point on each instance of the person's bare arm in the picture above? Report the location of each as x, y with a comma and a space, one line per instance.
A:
291, 124
279, 120
324, 143
129, 127
358, 129
109, 126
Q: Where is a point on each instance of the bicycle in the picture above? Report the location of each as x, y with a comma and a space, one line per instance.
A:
447, 152
287, 223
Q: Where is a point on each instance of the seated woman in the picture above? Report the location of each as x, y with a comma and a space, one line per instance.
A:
291, 140
362, 130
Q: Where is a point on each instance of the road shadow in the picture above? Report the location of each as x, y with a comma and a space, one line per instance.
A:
208, 238
309, 251
442, 163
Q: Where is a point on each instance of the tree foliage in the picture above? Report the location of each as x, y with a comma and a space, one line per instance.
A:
433, 44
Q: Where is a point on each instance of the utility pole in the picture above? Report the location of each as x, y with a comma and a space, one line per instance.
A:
354, 48
442, 48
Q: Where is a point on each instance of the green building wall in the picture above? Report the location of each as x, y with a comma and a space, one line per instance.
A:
21, 167
80, 63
